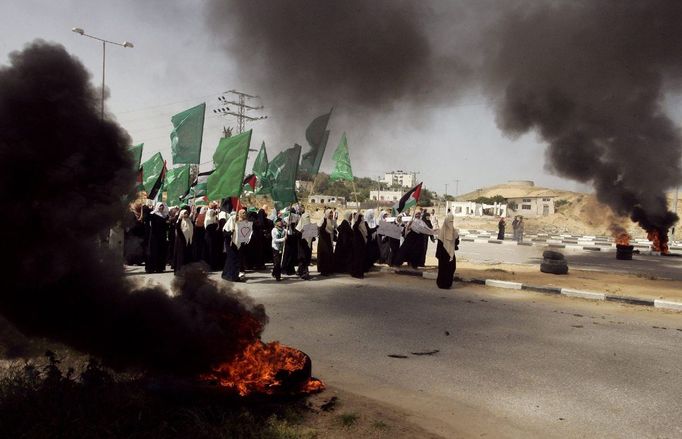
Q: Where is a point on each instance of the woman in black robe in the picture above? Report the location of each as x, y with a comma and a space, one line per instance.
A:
325, 246
199, 232
172, 222
426, 218
290, 255
158, 235
184, 231
213, 241
255, 259
501, 225
448, 241
133, 240
222, 220
358, 263
372, 240
232, 258
344, 245
266, 226
413, 246
305, 250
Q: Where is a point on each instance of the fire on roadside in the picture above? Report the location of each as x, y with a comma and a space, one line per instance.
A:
266, 369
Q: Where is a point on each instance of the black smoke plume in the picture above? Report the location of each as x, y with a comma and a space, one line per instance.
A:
588, 76
590, 79
63, 175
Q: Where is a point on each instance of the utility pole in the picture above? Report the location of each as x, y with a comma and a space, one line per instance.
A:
457, 187
241, 107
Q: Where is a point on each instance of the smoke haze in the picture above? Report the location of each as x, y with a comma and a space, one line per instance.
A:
588, 77
64, 173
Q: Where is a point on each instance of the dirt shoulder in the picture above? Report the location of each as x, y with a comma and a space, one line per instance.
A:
599, 281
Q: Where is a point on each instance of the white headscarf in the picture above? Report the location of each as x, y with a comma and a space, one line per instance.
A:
231, 226
369, 217
222, 215
210, 218
329, 227
304, 220
161, 210
346, 216
186, 226
448, 235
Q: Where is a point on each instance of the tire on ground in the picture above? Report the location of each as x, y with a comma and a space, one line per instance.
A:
554, 268
554, 261
550, 254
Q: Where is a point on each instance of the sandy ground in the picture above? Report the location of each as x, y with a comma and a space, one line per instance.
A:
599, 281
348, 415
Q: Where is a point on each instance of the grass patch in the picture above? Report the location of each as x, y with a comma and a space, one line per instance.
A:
380, 425
41, 400
348, 419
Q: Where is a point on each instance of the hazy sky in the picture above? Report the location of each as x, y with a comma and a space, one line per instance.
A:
178, 62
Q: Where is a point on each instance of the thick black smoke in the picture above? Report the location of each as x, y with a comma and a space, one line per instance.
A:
588, 76
63, 176
307, 55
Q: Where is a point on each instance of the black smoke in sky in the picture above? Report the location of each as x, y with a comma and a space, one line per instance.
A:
64, 175
588, 76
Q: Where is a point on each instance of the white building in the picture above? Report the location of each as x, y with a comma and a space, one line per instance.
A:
402, 178
533, 206
469, 208
385, 196
327, 199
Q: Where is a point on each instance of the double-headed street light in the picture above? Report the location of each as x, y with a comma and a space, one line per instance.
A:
128, 44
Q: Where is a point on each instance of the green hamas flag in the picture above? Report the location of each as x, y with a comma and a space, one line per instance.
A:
282, 172
260, 169
136, 152
229, 160
188, 130
317, 135
152, 174
176, 184
342, 169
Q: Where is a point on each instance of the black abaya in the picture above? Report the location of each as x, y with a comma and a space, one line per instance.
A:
446, 267
358, 263
344, 248
133, 240
372, 248
411, 250
290, 255
183, 251
231, 268
325, 250
158, 233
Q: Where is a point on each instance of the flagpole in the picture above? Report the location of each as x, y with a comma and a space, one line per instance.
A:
356, 194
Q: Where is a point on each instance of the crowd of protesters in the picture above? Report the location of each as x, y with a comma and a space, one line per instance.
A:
157, 236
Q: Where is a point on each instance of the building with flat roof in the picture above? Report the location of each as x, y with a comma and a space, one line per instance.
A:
385, 196
400, 178
532, 206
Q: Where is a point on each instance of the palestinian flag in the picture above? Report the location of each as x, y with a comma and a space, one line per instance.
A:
249, 182
408, 200
200, 185
158, 186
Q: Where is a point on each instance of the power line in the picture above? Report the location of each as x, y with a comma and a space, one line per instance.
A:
241, 106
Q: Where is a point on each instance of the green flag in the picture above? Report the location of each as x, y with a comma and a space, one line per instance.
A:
282, 172
260, 169
136, 152
152, 174
229, 160
188, 130
342, 169
176, 184
317, 135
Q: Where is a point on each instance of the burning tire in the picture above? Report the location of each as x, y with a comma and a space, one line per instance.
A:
554, 266
552, 255
624, 252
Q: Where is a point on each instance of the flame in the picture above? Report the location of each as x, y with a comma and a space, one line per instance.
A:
263, 369
658, 243
623, 239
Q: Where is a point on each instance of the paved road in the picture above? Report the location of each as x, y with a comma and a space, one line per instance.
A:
660, 266
510, 363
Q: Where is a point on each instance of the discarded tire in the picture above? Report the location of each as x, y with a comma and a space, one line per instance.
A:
550, 254
554, 261
554, 268
624, 252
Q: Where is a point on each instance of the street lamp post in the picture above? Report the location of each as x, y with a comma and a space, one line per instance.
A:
127, 44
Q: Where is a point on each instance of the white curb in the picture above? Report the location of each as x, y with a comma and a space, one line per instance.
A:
667, 304
583, 294
503, 284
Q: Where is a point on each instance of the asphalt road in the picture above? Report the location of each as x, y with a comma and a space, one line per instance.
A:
509, 363
668, 267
